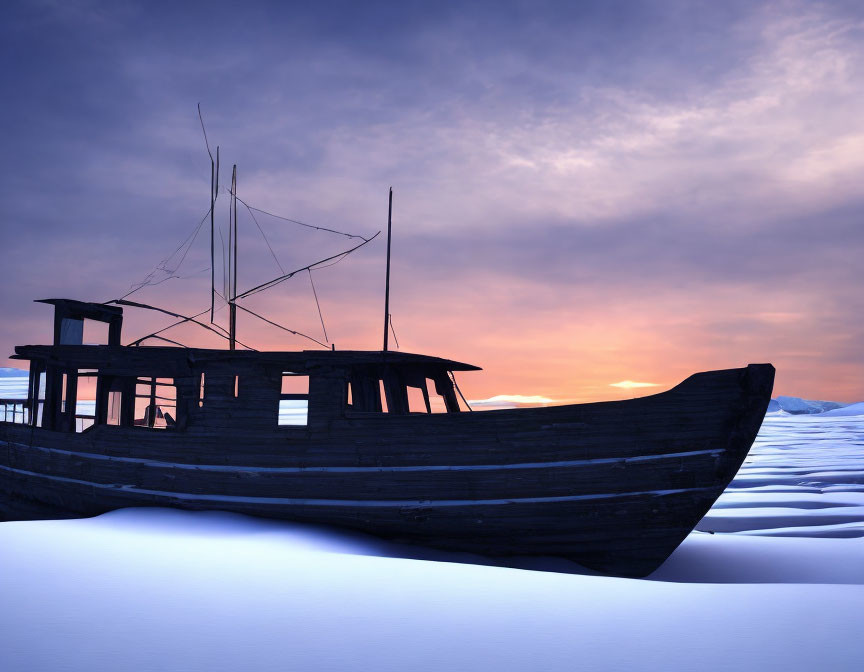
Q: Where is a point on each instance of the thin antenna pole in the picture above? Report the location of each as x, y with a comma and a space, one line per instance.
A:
230, 247
387, 283
232, 331
212, 235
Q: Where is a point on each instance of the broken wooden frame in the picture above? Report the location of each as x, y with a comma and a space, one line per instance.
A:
175, 389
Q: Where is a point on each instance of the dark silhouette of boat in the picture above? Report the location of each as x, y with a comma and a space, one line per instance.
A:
371, 440
614, 486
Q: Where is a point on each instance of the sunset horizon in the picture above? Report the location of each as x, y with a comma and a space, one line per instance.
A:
568, 215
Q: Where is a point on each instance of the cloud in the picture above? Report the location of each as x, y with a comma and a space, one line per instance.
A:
513, 401
631, 385
608, 187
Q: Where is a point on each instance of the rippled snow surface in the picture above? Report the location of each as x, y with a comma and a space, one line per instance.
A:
804, 477
779, 585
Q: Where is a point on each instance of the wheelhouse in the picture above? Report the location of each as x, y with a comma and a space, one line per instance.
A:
75, 387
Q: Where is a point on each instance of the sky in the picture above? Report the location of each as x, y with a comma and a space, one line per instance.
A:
584, 193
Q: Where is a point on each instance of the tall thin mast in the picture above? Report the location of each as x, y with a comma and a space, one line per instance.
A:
232, 328
214, 190
212, 233
387, 283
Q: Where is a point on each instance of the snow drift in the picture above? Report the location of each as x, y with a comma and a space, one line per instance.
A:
159, 589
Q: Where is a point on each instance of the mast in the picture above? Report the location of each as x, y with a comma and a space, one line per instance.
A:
214, 194
387, 283
212, 234
232, 328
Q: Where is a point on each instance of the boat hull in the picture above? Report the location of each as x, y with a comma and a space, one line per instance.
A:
614, 486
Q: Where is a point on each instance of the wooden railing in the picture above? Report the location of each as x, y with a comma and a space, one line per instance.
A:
15, 410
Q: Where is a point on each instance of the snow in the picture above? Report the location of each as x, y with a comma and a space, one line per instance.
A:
13, 386
851, 409
773, 578
797, 405
293, 411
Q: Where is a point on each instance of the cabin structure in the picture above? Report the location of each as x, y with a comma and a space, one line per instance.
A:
178, 389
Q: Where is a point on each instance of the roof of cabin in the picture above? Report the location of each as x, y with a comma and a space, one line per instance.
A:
144, 357
92, 311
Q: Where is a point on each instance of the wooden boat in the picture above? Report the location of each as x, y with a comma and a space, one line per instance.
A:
614, 486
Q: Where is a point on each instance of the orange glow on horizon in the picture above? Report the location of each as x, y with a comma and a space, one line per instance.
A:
568, 347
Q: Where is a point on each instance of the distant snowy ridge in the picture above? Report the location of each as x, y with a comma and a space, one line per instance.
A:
798, 406
851, 409
13, 373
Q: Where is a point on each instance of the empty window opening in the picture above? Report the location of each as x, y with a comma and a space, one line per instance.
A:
294, 399
201, 392
40, 398
85, 399
418, 400
71, 331
350, 402
236, 386
436, 400
382, 391
115, 403
95, 332
14, 410
16, 404
63, 390
155, 403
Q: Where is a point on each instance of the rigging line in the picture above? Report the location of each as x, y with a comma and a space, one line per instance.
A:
224, 276
166, 279
276, 281
315, 294
291, 331
219, 294
287, 276
160, 338
188, 247
135, 304
186, 240
161, 265
392, 330
456, 385
201, 119
296, 221
332, 263
170, 326
254, 219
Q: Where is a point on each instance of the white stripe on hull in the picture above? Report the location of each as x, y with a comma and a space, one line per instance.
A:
360, 470
285, 501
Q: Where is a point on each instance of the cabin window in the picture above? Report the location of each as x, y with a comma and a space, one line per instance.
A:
95, 332
71, 331
236, 386
294, 399
85, 398
155, 403
436, 400
418, 401
201, 392
115, 402
382, 395
40, 386
64, 385
399, 391
14, 405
